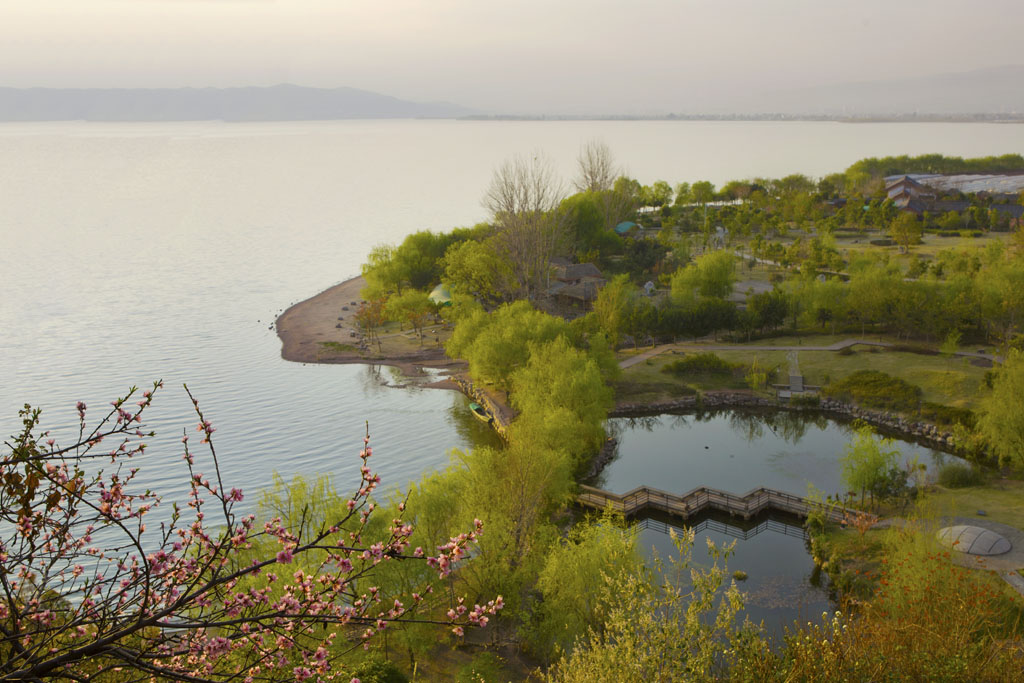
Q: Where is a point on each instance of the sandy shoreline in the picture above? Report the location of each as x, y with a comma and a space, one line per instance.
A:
304, 328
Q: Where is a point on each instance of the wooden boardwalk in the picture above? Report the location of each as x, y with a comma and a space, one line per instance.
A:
700, 499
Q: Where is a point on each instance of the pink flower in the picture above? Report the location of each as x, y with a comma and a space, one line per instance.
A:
285, 556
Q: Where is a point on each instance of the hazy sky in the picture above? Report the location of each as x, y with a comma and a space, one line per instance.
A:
644, 56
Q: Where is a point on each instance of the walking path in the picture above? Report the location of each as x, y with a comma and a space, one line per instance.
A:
837, 346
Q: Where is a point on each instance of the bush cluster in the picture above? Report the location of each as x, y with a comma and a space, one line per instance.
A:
701, 364
939, 414
958, 475
874, 389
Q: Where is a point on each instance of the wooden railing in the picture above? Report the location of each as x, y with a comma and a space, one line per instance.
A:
700, 499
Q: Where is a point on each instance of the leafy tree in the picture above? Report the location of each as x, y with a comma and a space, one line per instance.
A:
382, 273
612, 306
711, 275
658, 194
906, 231
866, 462
560, 377
1001, 413
702, 192
769, 308
473, 268
515, 491
418, 258
412, 306
595, 552
497, 344
683, 196
674, 631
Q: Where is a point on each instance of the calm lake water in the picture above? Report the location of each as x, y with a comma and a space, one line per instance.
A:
130, 252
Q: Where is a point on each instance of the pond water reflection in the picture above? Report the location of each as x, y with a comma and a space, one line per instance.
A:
736, 451
782, 585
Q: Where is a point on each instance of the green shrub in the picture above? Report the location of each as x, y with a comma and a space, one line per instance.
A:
873, 389
914, 348
701, 364
376, 670
805, 401
958, 475
938, 414
484, 667
883, 242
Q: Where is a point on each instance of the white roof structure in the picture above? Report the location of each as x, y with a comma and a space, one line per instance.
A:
974, 540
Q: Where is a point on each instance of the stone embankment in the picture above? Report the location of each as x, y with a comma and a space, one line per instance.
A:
923, 432
500, 414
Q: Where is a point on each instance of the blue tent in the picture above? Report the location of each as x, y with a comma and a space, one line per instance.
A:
624, 227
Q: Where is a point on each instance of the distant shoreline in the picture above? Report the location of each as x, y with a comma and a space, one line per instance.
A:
781, 118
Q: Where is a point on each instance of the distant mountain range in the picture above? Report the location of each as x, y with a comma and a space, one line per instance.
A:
955, 96
276, 103
998, 90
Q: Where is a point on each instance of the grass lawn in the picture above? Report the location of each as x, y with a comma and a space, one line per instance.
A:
931, 244
1001, 499
645, 382
953, 382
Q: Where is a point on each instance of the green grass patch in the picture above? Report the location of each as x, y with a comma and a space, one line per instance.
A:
647, 383
338, 347
874, 389
1001, 499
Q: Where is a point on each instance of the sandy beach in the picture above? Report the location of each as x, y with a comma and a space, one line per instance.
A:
322, 329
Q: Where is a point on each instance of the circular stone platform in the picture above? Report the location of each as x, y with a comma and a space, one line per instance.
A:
974, 540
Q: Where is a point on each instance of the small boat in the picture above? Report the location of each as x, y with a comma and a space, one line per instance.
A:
480, 412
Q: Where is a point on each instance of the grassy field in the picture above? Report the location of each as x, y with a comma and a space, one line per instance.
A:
954, 382
931, 244
1001, 499
645, 382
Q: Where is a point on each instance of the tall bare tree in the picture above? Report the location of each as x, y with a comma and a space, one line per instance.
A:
529, 232
597, 168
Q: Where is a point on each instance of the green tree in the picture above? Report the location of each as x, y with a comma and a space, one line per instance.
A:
612, 305
702, 192
681, 628
711, 275
683, 196
496, 344
514, 491
594, 553
474, 268
1001, 413
412, 306
906, 231
867, 461
382, 273
558, 377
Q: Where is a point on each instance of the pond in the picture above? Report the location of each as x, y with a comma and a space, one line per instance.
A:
736, 451
782, 585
